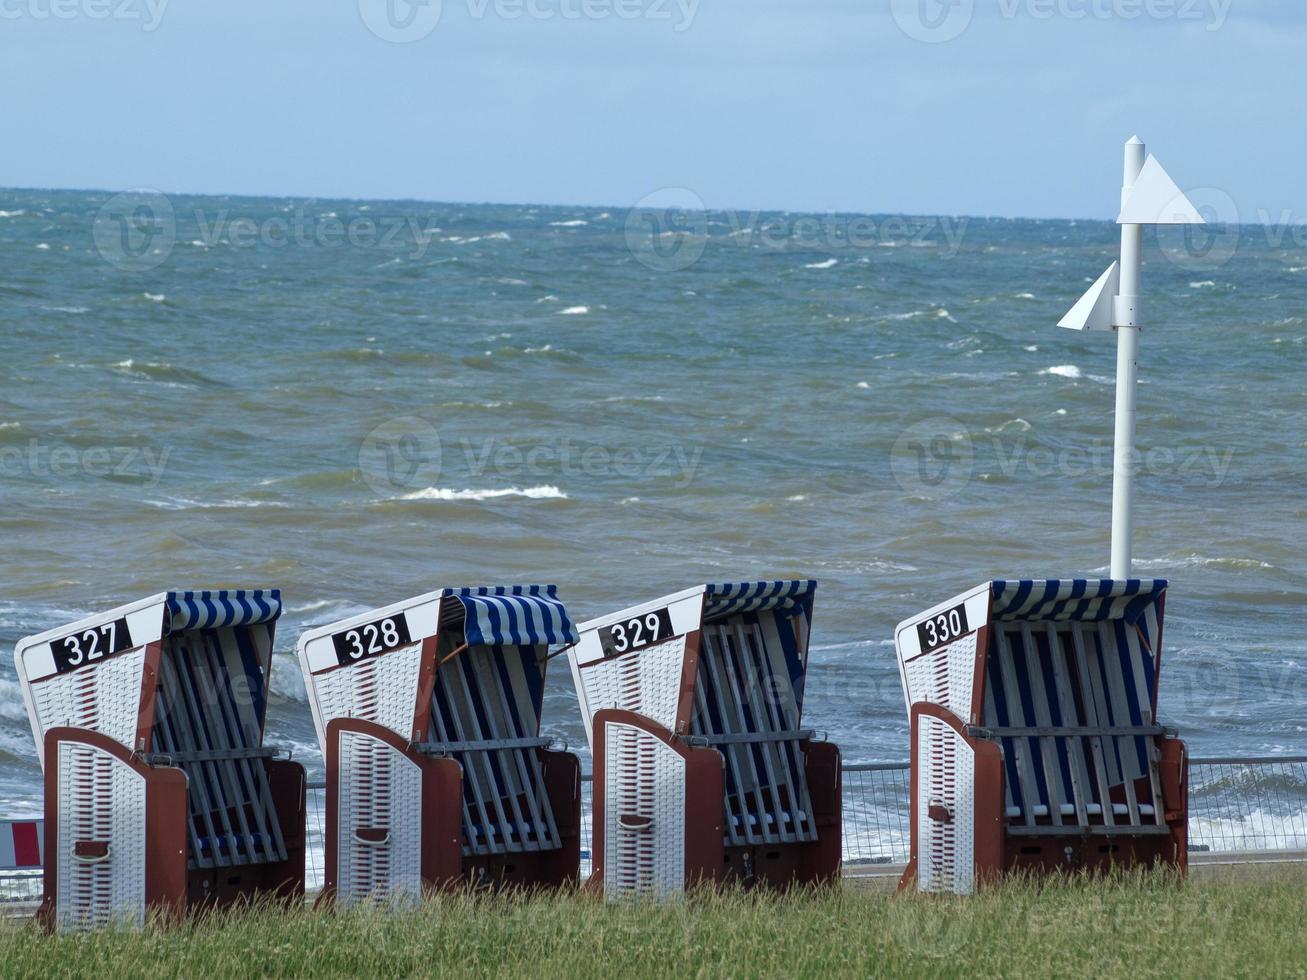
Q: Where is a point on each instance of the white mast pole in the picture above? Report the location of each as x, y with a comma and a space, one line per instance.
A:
1126, 320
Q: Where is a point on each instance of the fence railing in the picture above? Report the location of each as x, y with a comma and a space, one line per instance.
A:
1236, 805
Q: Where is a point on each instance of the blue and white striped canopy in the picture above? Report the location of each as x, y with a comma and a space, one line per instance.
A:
725, 599
516, 615
1077, 600
222, 608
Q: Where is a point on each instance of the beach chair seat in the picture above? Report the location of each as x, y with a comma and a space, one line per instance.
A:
692, 705
429, 715
1034, 741
160, 793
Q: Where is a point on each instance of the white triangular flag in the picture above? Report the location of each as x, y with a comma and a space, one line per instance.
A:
1093, 311
1156, 200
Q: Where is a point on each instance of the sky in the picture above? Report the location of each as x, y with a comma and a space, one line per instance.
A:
980, 107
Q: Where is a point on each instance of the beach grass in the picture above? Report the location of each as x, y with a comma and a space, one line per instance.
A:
1130, 926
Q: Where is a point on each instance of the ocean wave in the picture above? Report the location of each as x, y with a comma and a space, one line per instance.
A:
575, 223
185, 503
67, 309
162, 372
155, 297
574, 311
828, 264
1063, 371
444, 493
12, 214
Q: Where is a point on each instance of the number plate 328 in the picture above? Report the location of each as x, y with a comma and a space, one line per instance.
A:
943, 628
636, 633
371, 639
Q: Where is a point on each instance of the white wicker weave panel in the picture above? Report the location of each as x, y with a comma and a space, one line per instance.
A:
381, 689
643, 777
100, 799
946, 776
378, 788
647, 682
944, 676
105, 698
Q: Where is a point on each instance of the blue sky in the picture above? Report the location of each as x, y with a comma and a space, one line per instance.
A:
803, 104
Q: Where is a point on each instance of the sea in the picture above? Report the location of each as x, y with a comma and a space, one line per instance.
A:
357, 401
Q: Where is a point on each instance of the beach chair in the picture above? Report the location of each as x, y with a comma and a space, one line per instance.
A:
1034, 737
159, 792
692, 705
428, 712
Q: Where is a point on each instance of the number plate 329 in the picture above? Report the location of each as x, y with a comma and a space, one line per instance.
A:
636, 633
943, 628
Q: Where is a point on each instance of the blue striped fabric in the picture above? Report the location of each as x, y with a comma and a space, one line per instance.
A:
725, 599
223, 608
517, 615
1077, 600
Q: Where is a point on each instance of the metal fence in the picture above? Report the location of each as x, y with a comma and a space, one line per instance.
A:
1235, 805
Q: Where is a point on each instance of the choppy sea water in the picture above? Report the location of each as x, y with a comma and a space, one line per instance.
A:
357, 401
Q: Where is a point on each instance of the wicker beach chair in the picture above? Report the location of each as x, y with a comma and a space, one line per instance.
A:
692, 705
1035, 745
159, 792
428, 712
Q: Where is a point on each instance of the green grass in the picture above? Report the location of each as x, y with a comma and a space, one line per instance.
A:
1131, 927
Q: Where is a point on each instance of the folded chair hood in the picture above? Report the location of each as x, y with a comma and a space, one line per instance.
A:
528, 615
1077, 600
726, 599
220, 609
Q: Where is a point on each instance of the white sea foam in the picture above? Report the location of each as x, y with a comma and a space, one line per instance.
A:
1025, 296
66, 309
12, 214
863, 384
43, 247
1063, 371
828, 264
575, 223
444, 493
1202, 285
1032, 347
155, 297
185, 503
574, 311
796, 498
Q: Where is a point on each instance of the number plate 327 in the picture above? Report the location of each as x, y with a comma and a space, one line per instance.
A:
636, 632
943, 628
